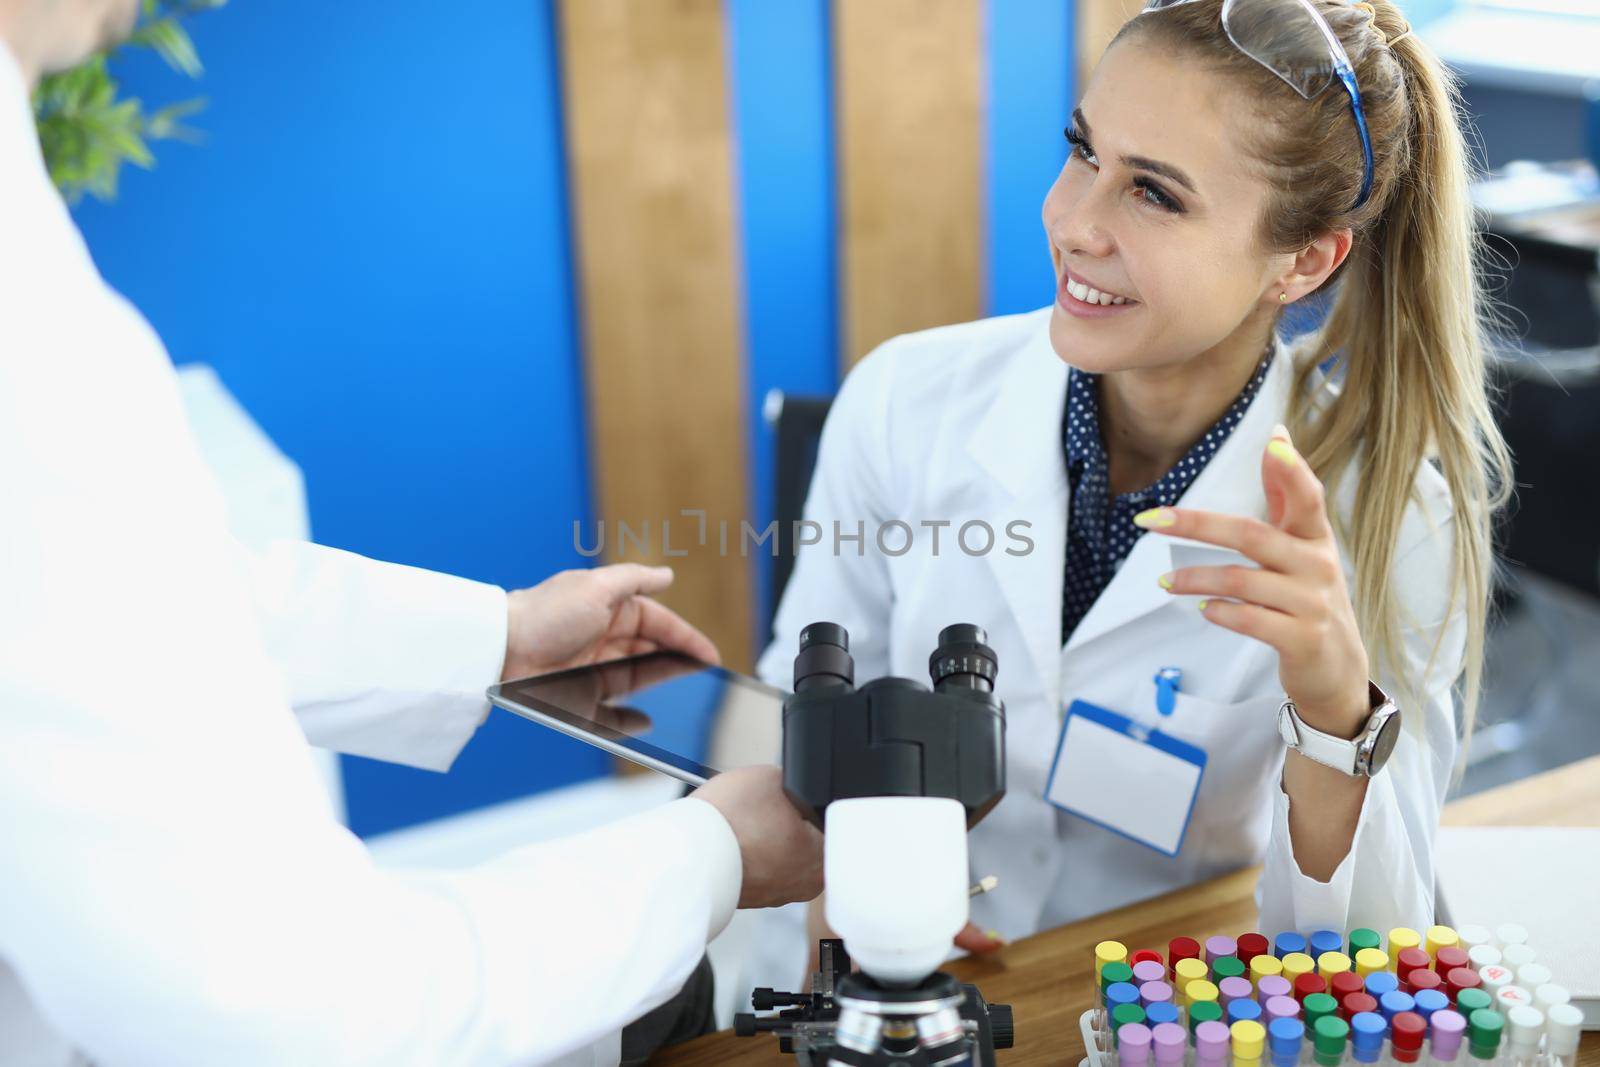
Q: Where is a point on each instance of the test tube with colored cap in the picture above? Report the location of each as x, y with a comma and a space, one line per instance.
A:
1211, 1044
1549, 995
1251, 945
1220, 945
1420, 980
1449, 957
1381, 982
1328, 1040
1429, 1001
1264, 965
1393, 1003
1400, 939
1355, 1004
1472, 935
1307, 984
1284, 1038
1170, 1043
1297, 963
1332, 963
1445, 1030
1122, 1015
1273, 985
1233, 988
1406, 1032
1316, 1006
1362, 937
1281, 1008
1154, 993
1105, 953
1484, 1028
1226, 967
1325, 941
1459, 979
1108, 952
1148, 971
1562, 1026
1160, 1012
1180, 948
1517, 956
1288, 942
1188, 970
1479, 956
1472, 1000
1201, 991
1509, 997
1495, 978
1207, 1011
1249, 1039
1410, 959
1342, 985
1439, 937
1242, 1009
1533, 975
1366, 1037
1116, 987
1524, 1029
1133, 1045
1371, 959
1145, 954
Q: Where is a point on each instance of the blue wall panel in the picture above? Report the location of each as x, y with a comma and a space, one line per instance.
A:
371, 248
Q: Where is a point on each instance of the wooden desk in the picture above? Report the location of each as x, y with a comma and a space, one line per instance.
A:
1046, 977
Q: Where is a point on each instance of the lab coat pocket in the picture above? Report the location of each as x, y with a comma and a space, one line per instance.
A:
1244, 756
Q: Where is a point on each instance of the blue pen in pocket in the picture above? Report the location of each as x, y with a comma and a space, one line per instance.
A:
1168, 680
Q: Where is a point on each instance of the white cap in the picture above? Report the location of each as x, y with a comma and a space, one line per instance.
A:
1470, 937
1526, 1025
1483, 955
1516, 955
1510, 934
1495, 978
1533, 975
1505, 1000
1549, 995
1563, 1024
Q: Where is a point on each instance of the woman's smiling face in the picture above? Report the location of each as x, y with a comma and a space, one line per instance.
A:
1156, 205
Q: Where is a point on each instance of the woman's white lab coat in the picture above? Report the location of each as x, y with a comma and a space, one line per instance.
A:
174, 888
964, 423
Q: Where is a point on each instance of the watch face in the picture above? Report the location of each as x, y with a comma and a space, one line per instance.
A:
1383, 744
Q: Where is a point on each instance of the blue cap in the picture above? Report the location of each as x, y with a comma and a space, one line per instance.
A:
1381, 982
1367, 1029
1285, 1035
1162, 1011
1429, 1001
1121, 993
1366, 1053
1287, 942
1325, 941
1394, 1002
1243, 1008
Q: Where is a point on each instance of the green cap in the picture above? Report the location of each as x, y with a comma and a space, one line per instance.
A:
1361, 938
1112, 973
1483, 1031
1226, 967
1317, 1005
1471, 1000
1330, 1034
1204, 1011
1125, 1014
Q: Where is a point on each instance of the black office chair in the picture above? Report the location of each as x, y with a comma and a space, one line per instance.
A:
797, 423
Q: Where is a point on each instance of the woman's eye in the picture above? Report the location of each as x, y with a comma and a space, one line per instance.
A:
1081, 147
1154, 195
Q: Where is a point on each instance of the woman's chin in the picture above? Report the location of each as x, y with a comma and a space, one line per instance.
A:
1085, 344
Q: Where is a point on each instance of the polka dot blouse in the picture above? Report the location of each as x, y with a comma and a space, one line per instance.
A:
1100, 529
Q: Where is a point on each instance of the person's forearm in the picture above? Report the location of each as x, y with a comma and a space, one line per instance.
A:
1324, 806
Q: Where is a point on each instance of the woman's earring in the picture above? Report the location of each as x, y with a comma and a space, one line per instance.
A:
1283, 298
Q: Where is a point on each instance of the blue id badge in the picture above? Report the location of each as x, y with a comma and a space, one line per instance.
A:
1125, 776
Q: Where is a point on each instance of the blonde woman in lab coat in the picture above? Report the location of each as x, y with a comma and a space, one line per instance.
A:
1155, 400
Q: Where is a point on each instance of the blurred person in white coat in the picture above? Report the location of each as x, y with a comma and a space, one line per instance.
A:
1346, 482
174, 886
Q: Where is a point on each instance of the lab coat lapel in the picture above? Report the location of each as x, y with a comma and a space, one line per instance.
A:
1230, 482
1017, 442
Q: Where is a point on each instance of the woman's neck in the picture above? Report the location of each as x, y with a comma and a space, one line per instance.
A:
1151, 416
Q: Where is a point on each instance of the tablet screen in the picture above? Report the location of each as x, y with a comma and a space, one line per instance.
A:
663, 710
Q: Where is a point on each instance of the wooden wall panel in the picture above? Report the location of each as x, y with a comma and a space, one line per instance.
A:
647, 117
909, 103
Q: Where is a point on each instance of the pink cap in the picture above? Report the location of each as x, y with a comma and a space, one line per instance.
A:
1232, 988
1148, 971
1154, 993
1211, 1040
1281, 1008
1133, 1038
1273, 985
1171, 1042
1221, 945
1445, 1028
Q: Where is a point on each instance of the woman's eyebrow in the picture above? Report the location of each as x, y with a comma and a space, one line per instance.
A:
1154, 166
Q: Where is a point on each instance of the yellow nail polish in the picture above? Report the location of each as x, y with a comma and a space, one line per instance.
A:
1203, 604
1165, 582
1283, 450
1155, 518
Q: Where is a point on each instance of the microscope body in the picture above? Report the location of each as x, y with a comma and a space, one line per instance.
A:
895, 773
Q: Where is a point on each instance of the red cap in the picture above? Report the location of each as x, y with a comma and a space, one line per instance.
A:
1251, 946
1409, 960
1181, 948
1407, 1028
1355, 1004
1344, 983
1459, 979
1144, 954
1422, 979
1449, 958
1307, 984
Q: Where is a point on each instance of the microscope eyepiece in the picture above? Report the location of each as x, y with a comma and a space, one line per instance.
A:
963, 659
824, 657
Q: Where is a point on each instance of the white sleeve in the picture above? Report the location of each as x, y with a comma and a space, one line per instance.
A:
849, 486
379, 659
176, 890
1386, 880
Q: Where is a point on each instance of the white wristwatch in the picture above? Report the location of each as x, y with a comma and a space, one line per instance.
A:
1362, 757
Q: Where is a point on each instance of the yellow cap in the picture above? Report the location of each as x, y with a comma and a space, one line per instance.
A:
1297, 963
1400, 939
1440, 937
1264, 965
1332, 963
1369, 960
1201, 989
1248, 1038
1108, 952
1186, 971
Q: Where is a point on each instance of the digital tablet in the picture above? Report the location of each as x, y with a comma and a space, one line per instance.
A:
663, 710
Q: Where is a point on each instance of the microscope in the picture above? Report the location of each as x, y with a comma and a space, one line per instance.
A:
895, 774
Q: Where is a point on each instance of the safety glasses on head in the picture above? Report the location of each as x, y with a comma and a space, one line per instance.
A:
1292, 40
